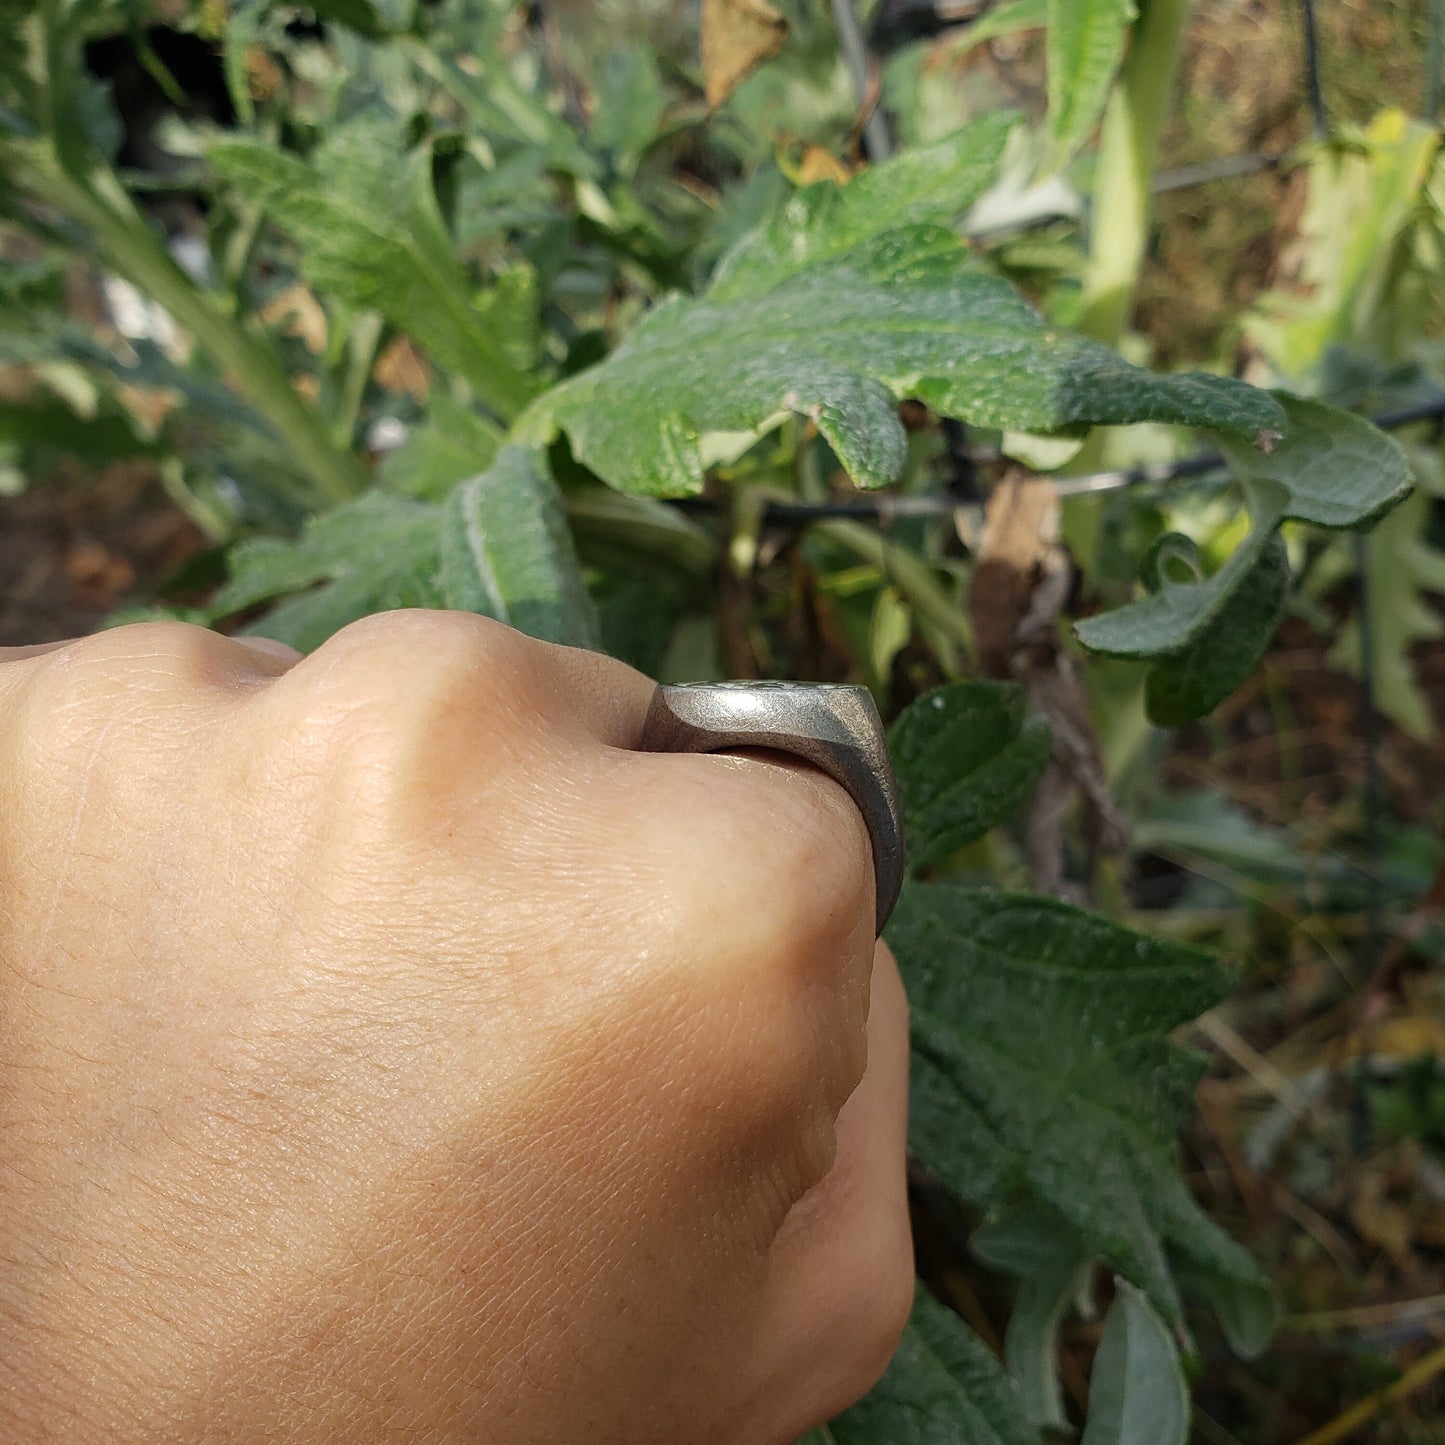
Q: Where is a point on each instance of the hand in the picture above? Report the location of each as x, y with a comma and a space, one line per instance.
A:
389, 1051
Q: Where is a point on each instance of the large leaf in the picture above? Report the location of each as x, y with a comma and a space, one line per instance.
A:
1086, 41
1331, 469
842, 337
498, 545
1137, 1394
966, 759
942, 1388
1192, 683
1088, 1121
924, 183
365, 221
506, 552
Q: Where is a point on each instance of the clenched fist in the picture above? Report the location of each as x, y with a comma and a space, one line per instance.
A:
390, 1051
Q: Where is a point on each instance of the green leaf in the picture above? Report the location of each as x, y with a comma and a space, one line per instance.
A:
1087, 1121
365, 220
1192, 683
506, 552
630, 103
1336, 469
1402, 567
1086, 41
1053, 1265
925, 183
454, 443
905, 314
942, 1388
498, 545
1137, 1394
358, 15
966, 759
1332, 469
370, 555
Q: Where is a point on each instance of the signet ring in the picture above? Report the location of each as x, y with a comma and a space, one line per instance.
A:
835, 728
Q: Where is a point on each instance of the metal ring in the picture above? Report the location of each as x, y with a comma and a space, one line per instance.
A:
835, 728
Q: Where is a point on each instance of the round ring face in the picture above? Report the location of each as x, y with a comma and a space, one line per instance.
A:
833, 726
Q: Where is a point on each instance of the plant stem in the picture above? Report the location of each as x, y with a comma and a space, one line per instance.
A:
1434, 60
124, 238
1128, 154
361, 347
909, 573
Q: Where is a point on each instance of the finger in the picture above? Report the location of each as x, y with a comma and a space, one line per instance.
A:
268, 647
34, 649
842, 1265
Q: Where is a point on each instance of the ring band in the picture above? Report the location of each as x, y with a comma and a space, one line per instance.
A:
836, 728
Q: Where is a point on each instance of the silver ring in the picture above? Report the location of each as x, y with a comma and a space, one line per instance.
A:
835, 728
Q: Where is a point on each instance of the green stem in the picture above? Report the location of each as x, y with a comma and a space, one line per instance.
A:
124, 238
1128, 153
909, 573
1434, 60
361, 347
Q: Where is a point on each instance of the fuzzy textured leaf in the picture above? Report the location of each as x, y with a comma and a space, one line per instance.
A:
1086, 41
924, 183
966, 758
498, 545
1087, 1125
1331, 468
1192, 683
365, 220
506, 552
1052, 1264
1336, 469
1137, 1394
903, 313
943, 1387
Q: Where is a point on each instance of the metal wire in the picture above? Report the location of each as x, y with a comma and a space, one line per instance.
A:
886, 507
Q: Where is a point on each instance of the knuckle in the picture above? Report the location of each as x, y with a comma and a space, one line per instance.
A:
412, 715
115, 684
415, 666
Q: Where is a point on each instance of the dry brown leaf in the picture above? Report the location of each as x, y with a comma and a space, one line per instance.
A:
737, 36
1382, 1220
300, 312
822, 165
1020, 585
1412, 1036
401, 367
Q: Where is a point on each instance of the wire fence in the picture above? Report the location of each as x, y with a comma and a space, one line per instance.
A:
964, 459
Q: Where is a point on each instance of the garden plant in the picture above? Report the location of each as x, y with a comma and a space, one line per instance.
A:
778, 351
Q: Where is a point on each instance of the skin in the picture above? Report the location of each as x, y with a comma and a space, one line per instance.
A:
390, 1051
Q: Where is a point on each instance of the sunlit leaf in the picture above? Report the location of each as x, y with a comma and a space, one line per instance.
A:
1086, 40
900, 313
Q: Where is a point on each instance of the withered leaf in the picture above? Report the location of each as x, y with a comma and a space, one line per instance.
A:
737, 36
